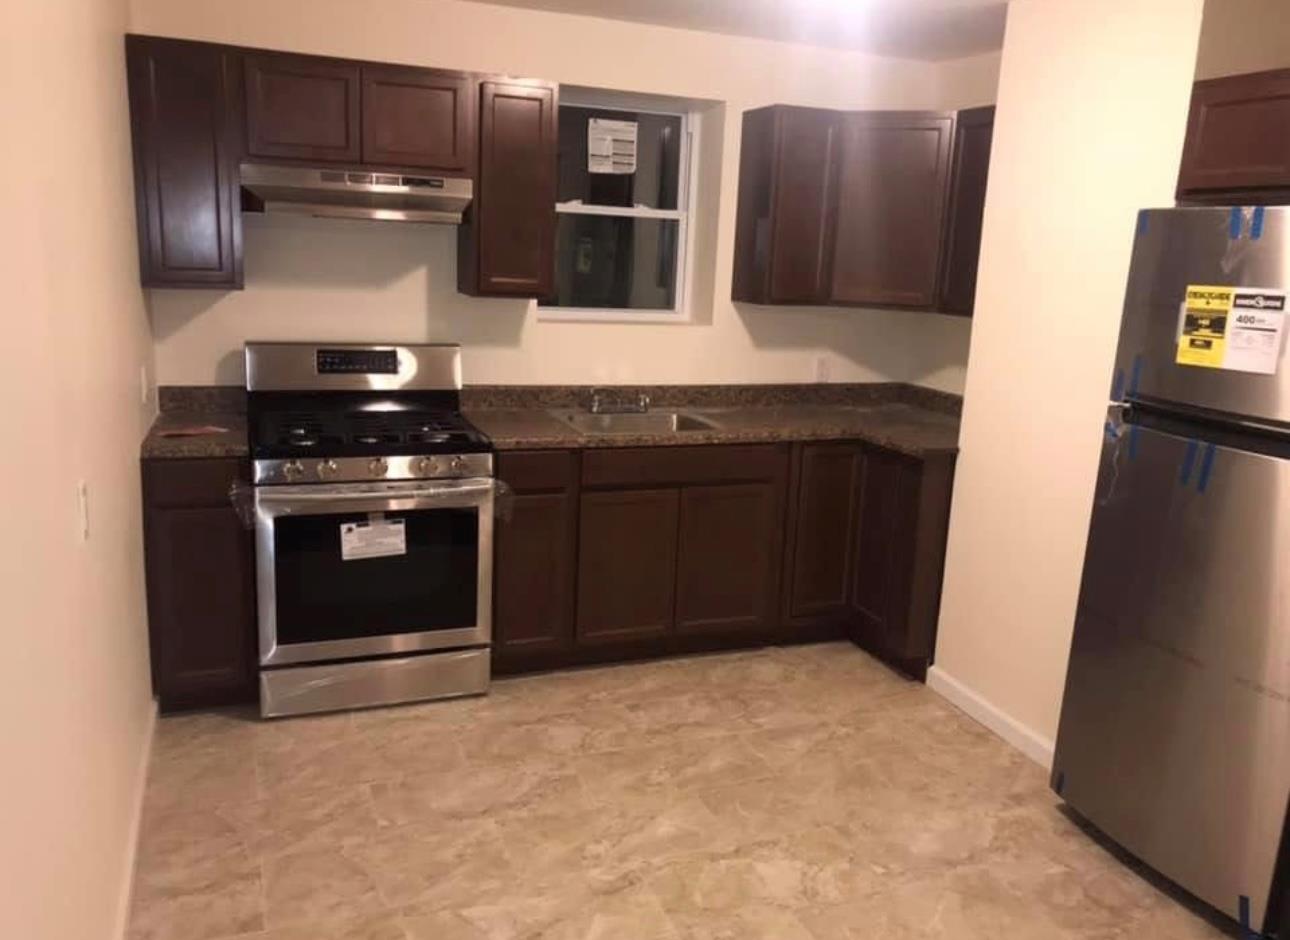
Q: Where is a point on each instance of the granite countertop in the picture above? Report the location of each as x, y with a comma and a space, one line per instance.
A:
163, 443
905, 419
902, 427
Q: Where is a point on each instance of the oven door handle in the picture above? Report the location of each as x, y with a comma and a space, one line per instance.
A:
471, 492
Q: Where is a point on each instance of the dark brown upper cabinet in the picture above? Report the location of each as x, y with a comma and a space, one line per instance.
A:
973, 137
783, 235
506, 248
855, 208
1238, 140
302, 108
893, 179
422, 118
184, 110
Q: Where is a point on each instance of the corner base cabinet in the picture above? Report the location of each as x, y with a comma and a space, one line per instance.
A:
628, 553
200, 563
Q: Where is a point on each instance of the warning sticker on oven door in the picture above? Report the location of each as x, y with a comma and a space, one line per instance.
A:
376, 538
1236, 328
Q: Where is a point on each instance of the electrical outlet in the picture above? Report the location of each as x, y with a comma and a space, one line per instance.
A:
145, 387
83, 508
821, 368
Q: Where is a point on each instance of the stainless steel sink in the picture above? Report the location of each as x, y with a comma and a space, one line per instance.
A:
649, 422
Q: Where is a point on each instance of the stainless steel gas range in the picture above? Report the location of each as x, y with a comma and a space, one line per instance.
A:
373, 526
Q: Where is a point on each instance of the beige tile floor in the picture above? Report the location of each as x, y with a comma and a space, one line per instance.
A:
789, 794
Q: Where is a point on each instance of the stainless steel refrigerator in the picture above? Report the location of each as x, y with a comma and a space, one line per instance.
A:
1175, 725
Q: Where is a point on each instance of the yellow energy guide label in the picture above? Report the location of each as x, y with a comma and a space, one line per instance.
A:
1236, 328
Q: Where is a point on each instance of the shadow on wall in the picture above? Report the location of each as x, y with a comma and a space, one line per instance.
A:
922, 348
341, 280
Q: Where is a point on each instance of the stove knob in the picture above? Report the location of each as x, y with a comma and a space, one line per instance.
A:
327, 469
378, 466
457, 464
293, 470
426, 467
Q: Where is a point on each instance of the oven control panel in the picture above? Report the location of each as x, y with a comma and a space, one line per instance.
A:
357, 361
358, 469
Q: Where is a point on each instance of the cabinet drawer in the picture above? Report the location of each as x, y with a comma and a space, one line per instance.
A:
538, 470
192, 482
726, 463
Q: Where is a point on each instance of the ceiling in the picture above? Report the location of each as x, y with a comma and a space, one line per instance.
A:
933, 30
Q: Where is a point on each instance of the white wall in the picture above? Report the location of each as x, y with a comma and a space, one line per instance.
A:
335, 280
969, 83
75, 705
1078, 148
1240, 36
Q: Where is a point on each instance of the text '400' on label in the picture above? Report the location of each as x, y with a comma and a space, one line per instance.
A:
1236, 328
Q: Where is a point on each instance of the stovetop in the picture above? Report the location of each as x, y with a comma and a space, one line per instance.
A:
300, 425
322, 433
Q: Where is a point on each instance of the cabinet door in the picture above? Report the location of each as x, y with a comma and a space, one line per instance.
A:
971, 169
824, 517
802, 203
534, 562
302, 108
418, 118
728, 557
893, 181
1238, 134
184, 174
626, 564
885, 531
513, 218
201, 585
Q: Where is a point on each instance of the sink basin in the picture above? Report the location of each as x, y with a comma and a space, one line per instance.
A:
649, 422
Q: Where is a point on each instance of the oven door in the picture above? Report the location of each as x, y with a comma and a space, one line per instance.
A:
372, 569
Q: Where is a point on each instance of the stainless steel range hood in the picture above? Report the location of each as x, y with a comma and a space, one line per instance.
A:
355, 194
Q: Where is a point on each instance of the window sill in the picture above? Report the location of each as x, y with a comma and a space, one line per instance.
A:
610, 315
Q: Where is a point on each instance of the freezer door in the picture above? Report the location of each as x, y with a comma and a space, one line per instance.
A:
1175, 726
1178, 247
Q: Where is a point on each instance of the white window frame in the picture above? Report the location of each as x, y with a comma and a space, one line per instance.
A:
687, 176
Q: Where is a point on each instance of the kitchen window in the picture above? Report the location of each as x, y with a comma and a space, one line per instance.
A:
622, 216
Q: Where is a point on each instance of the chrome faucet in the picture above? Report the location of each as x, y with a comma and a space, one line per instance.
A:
601, 405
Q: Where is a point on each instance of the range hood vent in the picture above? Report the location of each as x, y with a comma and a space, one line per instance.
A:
354, 194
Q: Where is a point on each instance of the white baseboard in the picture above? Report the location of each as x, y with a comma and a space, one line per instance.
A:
1024, 738
136, 820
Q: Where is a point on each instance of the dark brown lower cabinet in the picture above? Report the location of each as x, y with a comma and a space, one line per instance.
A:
201, 584
626, 564
535, 555
817, 598
902, 522
730, 547
626, 553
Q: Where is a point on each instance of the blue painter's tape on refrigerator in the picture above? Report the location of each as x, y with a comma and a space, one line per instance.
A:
1137, 374
1144, 222
1256, 226
1133, 441
1189, 463
1206, 468
1243, 906
1234, 223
